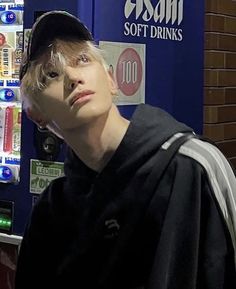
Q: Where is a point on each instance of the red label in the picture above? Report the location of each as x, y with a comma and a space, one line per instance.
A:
2, 39
7, 144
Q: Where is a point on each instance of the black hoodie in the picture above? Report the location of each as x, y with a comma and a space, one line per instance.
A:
103, 231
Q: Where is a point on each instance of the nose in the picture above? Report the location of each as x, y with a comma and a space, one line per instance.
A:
73, 77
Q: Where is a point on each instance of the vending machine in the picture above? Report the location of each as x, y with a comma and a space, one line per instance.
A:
155, 51
11, 44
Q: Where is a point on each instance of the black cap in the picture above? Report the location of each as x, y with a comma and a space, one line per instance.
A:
49, 26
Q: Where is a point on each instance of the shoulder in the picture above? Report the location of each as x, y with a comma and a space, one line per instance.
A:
210, 158
219, 175
56, 186
52, 196
216, 166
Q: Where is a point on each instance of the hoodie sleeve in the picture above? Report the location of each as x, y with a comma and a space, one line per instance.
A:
195, 249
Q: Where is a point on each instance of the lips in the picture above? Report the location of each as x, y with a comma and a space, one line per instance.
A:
81, 97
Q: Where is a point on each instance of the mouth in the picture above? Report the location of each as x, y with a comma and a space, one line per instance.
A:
81, 97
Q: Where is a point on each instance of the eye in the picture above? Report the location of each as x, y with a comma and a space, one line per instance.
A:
52, 74
83, 58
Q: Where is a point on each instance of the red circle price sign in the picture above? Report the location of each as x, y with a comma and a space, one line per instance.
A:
129, 72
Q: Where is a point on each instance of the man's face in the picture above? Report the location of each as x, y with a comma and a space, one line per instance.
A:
79, 95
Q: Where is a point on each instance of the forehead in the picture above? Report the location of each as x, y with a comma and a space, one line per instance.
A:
68, 49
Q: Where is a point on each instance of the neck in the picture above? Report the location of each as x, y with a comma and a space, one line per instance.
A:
95, 144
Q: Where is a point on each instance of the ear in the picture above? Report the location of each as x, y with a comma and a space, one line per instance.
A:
112, 82
36, 117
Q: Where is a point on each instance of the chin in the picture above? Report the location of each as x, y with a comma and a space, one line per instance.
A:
93, 110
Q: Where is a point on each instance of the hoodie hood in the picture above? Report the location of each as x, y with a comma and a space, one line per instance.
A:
149, 128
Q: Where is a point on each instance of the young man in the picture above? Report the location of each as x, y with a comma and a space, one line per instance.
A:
105, 225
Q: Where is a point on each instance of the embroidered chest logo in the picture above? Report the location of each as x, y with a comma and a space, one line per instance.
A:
111, 229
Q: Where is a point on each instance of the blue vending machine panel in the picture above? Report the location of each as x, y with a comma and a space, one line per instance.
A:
157, 45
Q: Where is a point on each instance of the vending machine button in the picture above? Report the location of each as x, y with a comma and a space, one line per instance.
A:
5, 173
8, 17
7, 94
